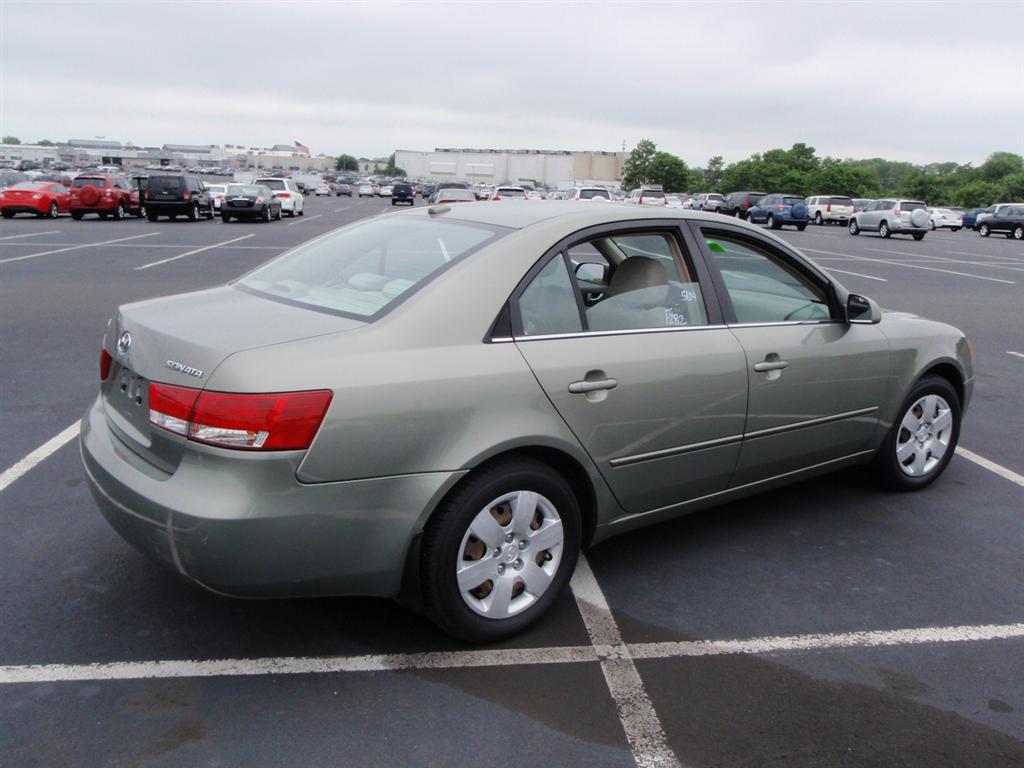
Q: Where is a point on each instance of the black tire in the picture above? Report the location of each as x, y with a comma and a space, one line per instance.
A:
141, 212
443, 536
984, 230
266, 217
225, 218
919, 235
76, 215
291, 214
817, 219
151, 216
172, 216
801, 227
54, 211
193, 212
1018, 232
933, 226
10, 215
886, 464
119, 212
211, 214
771, 222
302, 211
392, 202
854, 227
954, 229
883, 230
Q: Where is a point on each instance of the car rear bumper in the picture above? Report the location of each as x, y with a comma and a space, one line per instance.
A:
287, 203
242, 524
165, 208
41, 207
253, 212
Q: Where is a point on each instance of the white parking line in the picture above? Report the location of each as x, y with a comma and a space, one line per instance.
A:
12, 473
920, 256
913, 266
991, 466
639, 719
343, 208
855, 274
191, 253
32, 234
304, 219
73, 247
1016, 354
572, 654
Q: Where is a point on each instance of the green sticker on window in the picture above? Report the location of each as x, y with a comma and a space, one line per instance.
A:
714, 246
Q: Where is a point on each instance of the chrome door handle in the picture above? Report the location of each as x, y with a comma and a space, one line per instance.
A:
774, 365
582, 387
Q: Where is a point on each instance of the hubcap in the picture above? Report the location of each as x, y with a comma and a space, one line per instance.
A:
510, 554
924, 435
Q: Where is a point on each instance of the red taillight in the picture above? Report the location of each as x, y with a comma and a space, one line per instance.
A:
282, 194
898, 212
185, 195
782, 207
745, 204
496, 197
279, 421
105, 361
829, 208
259, 199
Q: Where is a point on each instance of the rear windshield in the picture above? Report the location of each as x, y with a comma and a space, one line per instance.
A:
28, 185
840, 201
85, 181
792, 200
273, 183
165, 184
753, 197
244, 190
710, 197
456, 194
360, 270
511, 193
218, 188
590, 194
654, 193
911, 205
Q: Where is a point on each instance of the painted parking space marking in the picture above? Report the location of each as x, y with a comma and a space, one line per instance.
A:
343, 208
946, 259
915, 266
304, 219
991, 466
12, 473
639, 719
168, 245
1015, 354
16, 674
32, 234
75, 247
855, 274
192, 253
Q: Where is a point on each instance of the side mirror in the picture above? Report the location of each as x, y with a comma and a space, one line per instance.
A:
589, 272
862, 310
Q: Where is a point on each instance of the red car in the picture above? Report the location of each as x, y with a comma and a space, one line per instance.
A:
104, 194
43, 198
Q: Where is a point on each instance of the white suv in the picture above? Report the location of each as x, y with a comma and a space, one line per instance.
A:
647, 196
892, 217
589, 193
287, 191
831, 209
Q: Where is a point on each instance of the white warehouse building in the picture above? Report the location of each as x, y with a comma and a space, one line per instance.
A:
537, 167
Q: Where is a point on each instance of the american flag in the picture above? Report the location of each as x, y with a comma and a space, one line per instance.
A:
302, 147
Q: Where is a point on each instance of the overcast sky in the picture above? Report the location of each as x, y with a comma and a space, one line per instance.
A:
909, 81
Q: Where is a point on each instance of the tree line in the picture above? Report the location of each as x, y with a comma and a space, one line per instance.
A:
799, 170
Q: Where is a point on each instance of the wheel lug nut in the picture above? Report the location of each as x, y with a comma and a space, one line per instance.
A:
501, 568
522, 543
518, 565
509, 537
497, 551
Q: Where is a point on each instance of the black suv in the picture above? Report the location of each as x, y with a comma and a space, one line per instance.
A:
737, 203
174, 195
401, 192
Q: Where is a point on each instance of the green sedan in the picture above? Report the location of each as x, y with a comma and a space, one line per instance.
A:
444, 405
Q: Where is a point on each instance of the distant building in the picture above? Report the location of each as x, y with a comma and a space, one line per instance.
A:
539, 167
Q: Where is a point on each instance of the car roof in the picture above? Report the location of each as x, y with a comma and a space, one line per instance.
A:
519, 215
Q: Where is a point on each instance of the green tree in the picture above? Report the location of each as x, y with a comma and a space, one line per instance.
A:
932, 189
713, 174
45, 143
635, 171
391, 169
11, 140
669, 171
1000, 164
975, 194
346, 163
1012, 187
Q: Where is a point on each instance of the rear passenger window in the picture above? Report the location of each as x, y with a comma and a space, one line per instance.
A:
762, 288
548, 305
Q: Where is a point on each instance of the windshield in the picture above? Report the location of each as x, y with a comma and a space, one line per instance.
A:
277, 184
362, 269
244, 190
590, 194
456, 194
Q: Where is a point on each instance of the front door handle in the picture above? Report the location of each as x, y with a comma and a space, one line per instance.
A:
771, 365
583, 387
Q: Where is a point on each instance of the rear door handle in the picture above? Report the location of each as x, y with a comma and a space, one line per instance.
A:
772, 365
582, 387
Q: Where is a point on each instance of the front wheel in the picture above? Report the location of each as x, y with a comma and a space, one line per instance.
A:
817, 219
151, 216
53, 211
771, 223
919, 235
920, 445
119, 212
801, 227
193, 212
499, 550
984, 230
854, 227
1018, 232
225, 218
76, 215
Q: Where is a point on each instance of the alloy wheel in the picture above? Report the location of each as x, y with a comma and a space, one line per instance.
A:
510, 554
924, 435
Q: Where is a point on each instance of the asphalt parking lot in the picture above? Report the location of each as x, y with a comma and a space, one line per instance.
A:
825, 624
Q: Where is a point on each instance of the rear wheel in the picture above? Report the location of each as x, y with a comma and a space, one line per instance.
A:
817, 219
771, 223
119, 212
141, 213
53, 211
266, 214
76, 215
919, 235
883, 231
302, 212
954, 229
920, 445
499, 550
10, 215
151, 216
801, 227
193, 212
210, 214
1018, 232
984, 230
225, 218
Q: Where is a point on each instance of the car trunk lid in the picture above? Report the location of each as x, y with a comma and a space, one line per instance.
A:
180, 340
